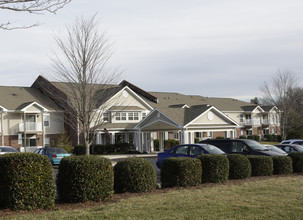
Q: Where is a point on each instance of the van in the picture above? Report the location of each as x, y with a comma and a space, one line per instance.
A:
241, 146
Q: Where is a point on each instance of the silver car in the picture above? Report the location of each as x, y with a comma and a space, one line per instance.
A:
7, 149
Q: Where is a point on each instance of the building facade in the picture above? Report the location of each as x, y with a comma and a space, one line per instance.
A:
131, 115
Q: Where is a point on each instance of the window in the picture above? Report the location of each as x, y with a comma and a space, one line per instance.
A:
143, 115
46, 142
247, 116
176, 135
249, 132
241, 118
120, 116
133, 116
195, 150
238, 147
182, 150
46, 120
105, 116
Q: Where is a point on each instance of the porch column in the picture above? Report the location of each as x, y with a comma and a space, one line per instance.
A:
139, 140
182, 136
24, 127
151, 142
161, 141
112, 138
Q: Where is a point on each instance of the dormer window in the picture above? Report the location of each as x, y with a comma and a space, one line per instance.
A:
105, 116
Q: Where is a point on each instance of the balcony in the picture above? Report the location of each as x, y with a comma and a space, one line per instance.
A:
250, 122
31, 127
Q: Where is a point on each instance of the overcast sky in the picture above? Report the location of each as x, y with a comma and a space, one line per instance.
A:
211, 48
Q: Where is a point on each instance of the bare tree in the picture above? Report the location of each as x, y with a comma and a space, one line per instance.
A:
30, 6
81, 68
279, 92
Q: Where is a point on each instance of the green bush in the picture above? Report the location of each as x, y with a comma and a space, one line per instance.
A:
239, 166
170, 143
219, 137
297, 162
26, 182
85, 178
215, 168
181, 171
261, 165
134, 175
156, 145
282, 165
79, 150
254, 137
242, 137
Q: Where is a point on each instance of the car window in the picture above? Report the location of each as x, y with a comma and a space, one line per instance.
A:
285, 142
213, 149
298, 142
182, 150
238, 147
55, 151
289, 149
195, 150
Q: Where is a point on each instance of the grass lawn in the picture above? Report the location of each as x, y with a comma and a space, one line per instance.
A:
276, 197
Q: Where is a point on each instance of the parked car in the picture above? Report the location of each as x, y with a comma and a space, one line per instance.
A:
7, 149
290, 148
293, 141
241, 146
187, 150
55, 155
275, 148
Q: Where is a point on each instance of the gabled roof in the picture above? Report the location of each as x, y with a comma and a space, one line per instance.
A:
16, 98
267, 108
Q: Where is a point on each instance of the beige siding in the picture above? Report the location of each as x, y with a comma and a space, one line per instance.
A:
56, 124
33, 108
11, 123
204, 119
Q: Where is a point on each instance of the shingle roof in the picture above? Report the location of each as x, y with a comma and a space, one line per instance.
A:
16, 98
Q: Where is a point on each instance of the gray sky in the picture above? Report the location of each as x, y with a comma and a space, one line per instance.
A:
198, 47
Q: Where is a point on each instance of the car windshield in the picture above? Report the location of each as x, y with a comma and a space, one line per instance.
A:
55, 151
4, 149
212, 149
274, 148
255, 145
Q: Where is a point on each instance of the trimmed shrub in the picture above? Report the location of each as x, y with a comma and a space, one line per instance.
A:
239, 166
134, 175
79, 150
215, 168
242, 137
26, 182
170, 143
85, 178
261, 165
181, 171
282, 165
297, 162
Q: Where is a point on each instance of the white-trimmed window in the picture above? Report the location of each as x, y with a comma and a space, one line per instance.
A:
133, 116
46, 120
120, 116
105, 116
176, 135
144, 115
46, 142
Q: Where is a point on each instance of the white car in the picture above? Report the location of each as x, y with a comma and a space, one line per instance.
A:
293, 141
7, 149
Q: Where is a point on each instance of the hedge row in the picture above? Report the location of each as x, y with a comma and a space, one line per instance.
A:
184, 171
26, 179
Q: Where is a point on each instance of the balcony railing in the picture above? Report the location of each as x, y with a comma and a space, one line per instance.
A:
30, 126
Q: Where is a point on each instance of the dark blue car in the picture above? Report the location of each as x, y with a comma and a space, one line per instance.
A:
187, 150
